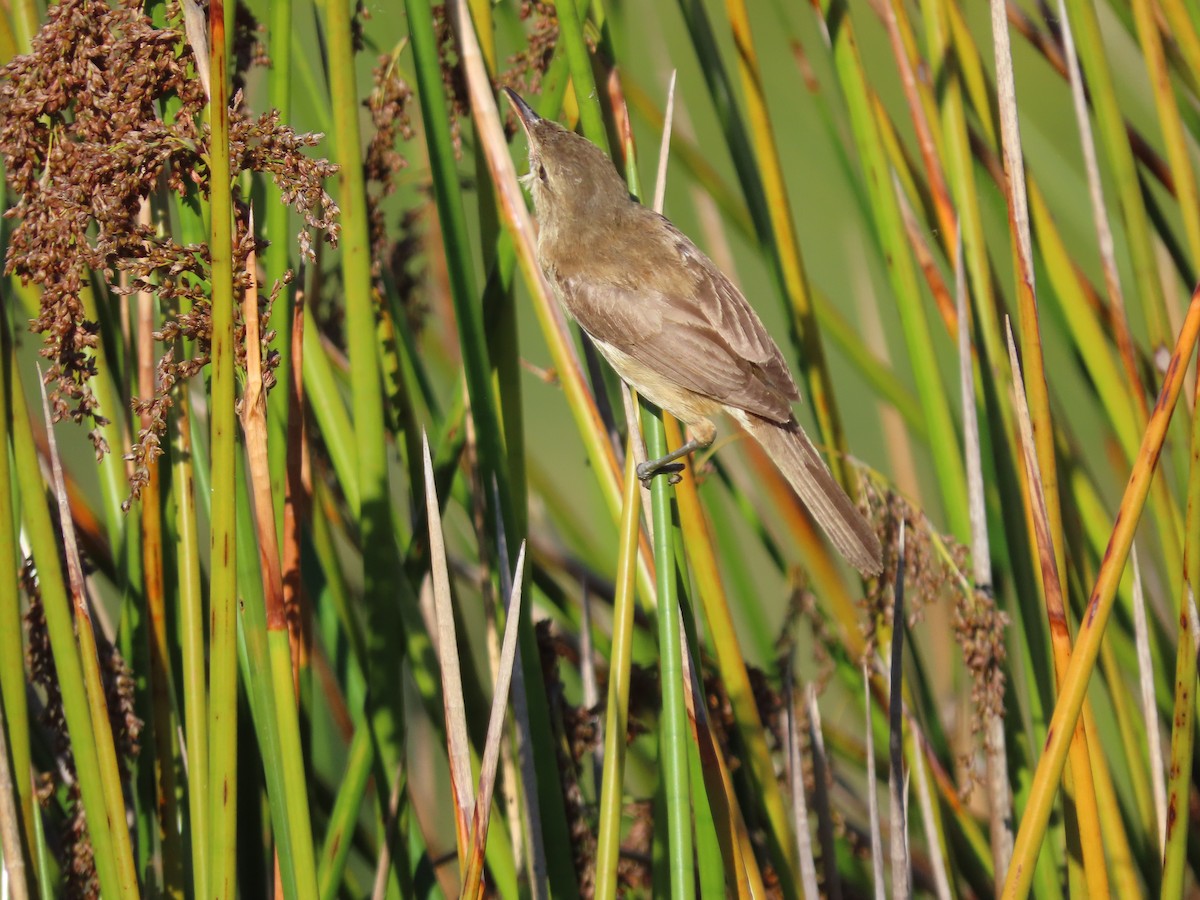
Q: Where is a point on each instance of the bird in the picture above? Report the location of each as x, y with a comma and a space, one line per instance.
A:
670, 323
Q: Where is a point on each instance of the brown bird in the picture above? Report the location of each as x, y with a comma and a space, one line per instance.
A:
670, 323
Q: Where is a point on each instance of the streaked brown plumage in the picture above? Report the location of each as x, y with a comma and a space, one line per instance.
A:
670, 323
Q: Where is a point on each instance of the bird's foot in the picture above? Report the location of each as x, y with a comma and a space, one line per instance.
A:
647, 470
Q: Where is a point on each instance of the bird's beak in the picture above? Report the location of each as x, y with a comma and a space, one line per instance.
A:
524, 111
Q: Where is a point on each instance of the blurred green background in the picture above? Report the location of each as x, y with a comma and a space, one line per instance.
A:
330, 661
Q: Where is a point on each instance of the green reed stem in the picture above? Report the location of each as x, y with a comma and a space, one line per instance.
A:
223, 691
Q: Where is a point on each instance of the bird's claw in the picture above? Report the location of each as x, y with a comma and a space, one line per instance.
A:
647, 470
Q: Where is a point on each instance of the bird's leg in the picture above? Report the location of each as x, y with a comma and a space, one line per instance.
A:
665, 464
702, 433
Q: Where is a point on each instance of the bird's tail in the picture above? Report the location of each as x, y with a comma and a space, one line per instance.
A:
798, 460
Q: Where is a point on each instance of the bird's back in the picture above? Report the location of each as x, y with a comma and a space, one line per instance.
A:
638, 283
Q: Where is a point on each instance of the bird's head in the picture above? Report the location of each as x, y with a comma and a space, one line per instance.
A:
569, 176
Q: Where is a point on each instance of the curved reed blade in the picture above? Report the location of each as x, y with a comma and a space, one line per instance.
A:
462, 783
473, 876
532, 834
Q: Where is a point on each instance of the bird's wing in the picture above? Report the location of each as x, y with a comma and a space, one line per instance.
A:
686, 322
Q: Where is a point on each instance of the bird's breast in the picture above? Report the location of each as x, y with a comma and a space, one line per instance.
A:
661, 390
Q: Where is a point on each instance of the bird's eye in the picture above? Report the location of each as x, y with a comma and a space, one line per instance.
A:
542, 174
